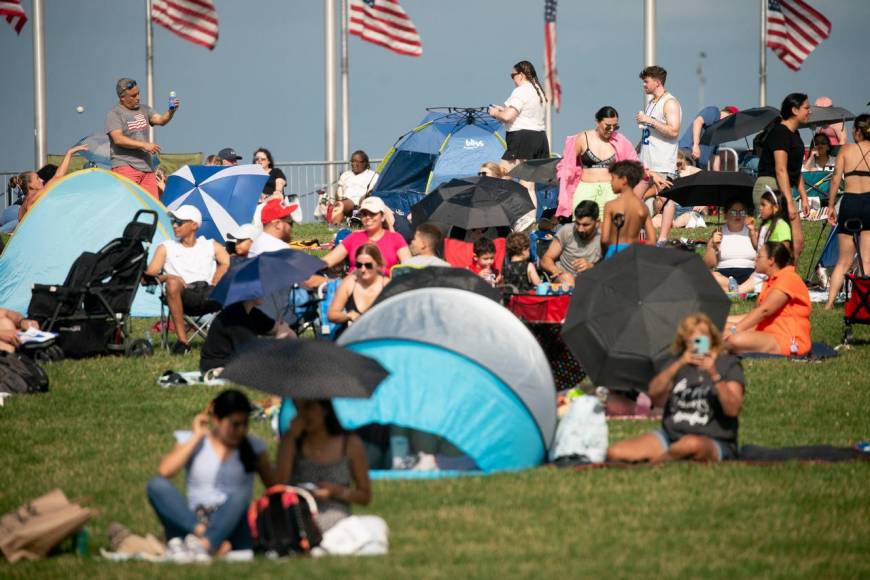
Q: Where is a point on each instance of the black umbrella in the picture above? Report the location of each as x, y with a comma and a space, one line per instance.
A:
439, 277
739, 125
822, 116
711, 188
537, 170
474, 202
625, 312
304, 369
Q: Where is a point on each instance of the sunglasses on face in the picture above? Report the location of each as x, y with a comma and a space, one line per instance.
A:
366, 265
513, 74
736, 213
482, 173
364, 215
260, 159
612, 127
179, 223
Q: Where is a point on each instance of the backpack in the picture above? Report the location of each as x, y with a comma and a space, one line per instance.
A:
20, 375
282, 522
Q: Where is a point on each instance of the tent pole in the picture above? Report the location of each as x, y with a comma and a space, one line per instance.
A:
329, 90
149, 63
39, 134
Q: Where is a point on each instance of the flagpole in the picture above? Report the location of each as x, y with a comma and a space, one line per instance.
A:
762, 58
649, 37
39, 134
329, 89
345, 84
149, 63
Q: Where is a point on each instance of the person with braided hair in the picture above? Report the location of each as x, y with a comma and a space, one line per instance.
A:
523, 117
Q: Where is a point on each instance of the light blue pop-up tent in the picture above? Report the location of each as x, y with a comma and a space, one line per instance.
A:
79, 213
446, 144
463, 369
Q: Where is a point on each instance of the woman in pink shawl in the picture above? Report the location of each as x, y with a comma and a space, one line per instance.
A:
584, 172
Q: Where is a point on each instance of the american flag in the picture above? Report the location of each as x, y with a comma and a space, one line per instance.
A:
794, 30
385, 23
551, 74
193, 20
13, 12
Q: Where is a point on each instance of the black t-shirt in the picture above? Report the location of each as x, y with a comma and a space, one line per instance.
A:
274, 174
781, 138
229, 330
693, 406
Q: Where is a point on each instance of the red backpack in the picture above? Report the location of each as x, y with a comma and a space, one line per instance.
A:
282, 522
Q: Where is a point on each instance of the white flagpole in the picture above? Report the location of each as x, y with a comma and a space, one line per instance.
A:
149, 63
39, 134
649, 37
345, 83
762, 58
329, 89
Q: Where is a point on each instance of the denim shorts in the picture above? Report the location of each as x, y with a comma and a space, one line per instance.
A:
725, 449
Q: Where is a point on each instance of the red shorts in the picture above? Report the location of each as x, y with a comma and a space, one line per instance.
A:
147, 180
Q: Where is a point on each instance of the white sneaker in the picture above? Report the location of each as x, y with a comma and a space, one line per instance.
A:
197, 551
177, 552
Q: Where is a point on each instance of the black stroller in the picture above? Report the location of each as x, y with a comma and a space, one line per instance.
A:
90, 312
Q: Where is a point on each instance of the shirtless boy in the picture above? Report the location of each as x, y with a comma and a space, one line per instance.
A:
626, 209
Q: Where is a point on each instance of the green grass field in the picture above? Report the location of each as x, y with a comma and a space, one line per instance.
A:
101, 430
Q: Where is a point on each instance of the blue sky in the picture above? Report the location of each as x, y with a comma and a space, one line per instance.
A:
263, 84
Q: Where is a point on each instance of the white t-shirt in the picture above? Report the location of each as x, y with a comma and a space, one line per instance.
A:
210, 481
266, 243
354, 186
526, 100
193, 264
657, 152
735, 250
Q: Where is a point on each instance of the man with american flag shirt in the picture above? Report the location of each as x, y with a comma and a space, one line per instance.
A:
127, 127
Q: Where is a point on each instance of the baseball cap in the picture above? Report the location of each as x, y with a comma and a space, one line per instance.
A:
731, 109
243, 232
187, 212
276, 209
229, 154
373, 205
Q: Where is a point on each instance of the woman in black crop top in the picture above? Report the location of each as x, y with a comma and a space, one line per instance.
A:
596, 155
855, 204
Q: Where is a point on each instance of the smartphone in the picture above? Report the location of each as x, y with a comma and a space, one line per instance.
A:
701, 345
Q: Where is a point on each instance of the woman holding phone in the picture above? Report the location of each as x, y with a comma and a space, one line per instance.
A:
701, 389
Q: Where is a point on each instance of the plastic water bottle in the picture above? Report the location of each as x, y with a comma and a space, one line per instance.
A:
732, 284
793, 348
81, 540
173, 101
400, 449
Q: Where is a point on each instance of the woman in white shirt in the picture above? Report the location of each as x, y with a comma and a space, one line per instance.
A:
353, 184
220, 459
523, 116
731, 250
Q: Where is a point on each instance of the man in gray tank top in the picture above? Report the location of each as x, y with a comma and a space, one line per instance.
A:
660, 134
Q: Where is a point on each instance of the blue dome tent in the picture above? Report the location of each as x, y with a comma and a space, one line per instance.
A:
79, 213
462, 368
446, 144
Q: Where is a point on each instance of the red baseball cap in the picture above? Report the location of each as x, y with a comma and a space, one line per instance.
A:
276, 209
731, 109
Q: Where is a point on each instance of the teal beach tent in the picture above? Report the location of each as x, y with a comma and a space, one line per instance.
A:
79, 213
448, 143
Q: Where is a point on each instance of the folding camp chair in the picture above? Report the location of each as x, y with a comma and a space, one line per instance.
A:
197, 321
856, 310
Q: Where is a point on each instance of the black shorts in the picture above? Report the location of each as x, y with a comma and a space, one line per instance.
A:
739, 274
525, 144
195, 299
854, 206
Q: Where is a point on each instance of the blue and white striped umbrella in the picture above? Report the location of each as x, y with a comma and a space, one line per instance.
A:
226, 196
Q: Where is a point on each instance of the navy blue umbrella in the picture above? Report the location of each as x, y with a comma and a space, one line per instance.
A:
265, 275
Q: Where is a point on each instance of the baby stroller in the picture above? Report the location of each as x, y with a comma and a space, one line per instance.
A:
856, 310
90, 311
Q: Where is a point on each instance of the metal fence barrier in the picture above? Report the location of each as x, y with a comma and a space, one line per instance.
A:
304, 178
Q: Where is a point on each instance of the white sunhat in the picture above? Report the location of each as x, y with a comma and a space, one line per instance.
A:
243, 232
187, 212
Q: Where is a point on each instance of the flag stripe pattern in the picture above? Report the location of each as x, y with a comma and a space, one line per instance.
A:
794, 30
385, 23
193, 20
551, 74
14, 13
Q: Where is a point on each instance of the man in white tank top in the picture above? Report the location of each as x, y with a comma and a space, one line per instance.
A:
189, 268
660, 135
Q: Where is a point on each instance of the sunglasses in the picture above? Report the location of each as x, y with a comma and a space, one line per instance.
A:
364, 215
612, 127
260, 159
366, 265
513, 74
179, 223
481, 173
736, 213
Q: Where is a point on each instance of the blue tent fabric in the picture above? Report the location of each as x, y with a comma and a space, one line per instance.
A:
79, 213
226, 196
442, 147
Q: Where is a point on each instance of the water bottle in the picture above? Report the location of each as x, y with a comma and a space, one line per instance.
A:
148, 338
80, 541
173, 101
793, 348
400, 450
732, 284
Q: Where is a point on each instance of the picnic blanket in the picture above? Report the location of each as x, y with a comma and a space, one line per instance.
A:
818, 352
172, 378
